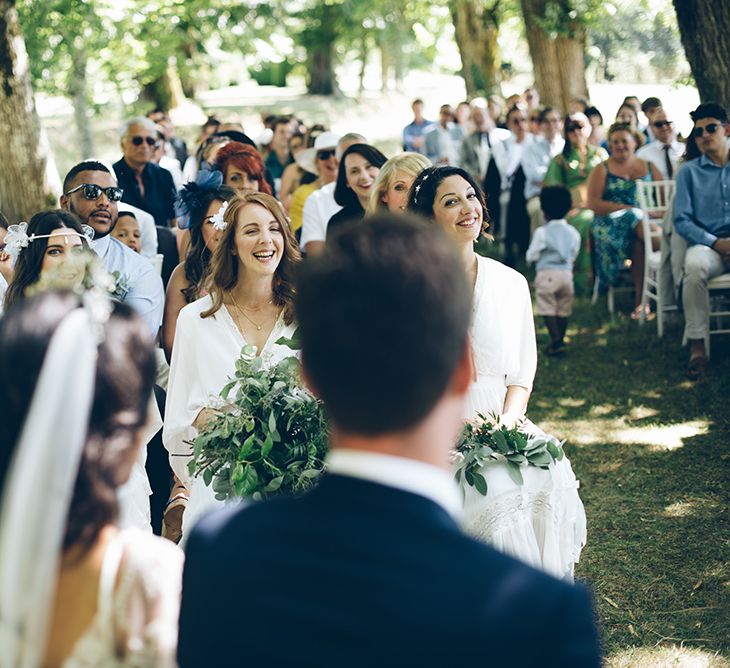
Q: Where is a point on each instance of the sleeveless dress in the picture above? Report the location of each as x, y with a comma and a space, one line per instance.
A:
136, 621
541, 522
613, 233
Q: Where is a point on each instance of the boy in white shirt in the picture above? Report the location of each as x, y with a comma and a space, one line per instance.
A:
554, 248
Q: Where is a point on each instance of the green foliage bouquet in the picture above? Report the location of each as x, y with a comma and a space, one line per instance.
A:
489, 439
268, 438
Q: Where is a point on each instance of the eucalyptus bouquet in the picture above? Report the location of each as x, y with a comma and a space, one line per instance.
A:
269, 437
489, 439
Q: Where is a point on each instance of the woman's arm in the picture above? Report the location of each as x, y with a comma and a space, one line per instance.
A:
289, 181
174, 303
515, 405
595, 201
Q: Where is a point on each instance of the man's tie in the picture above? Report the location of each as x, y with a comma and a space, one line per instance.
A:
667, 161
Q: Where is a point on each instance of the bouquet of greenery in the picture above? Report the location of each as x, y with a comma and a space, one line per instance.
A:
269, 437
488, 439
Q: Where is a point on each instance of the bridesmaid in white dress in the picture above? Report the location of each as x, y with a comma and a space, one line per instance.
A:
250, 303
541, 521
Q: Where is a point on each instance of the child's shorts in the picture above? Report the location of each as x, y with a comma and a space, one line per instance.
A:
554, 289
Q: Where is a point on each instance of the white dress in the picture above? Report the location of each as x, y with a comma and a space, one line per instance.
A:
135, 625
542, 521
203, 360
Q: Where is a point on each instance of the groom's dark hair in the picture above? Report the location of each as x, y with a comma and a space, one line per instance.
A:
383, 320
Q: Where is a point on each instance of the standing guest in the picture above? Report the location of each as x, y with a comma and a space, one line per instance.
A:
359, 167
391, 187
597, 136
442, 140
91, 192
571, 169
536, 160
321, 205
242, 167
291, 179
127, 231
413, 132
665, 151
700, 216
145, 184
76, 589
320, 160
370, 553
279, 155
554, 249
617, 233
476, 148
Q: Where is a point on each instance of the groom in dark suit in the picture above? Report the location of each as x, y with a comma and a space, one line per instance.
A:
371, 568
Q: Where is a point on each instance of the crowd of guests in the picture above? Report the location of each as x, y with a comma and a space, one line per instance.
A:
202, 250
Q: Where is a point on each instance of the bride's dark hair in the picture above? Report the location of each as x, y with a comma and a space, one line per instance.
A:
125, 375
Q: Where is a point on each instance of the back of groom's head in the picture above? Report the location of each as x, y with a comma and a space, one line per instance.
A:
383, 319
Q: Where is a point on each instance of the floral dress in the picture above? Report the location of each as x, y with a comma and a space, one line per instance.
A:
613, 233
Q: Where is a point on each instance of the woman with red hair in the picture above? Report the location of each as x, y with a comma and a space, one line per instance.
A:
243, 168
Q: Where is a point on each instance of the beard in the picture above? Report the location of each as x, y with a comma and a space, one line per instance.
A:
88, 220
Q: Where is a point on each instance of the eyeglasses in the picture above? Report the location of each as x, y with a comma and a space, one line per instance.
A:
92, 192
326, 154
710, 127
151, 141
662, 124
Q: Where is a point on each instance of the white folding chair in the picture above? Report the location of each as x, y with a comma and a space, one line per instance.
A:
719, 318
157, 262
654, 198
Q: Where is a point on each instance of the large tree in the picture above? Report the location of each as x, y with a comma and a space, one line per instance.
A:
556, 36
704, 26
23, 158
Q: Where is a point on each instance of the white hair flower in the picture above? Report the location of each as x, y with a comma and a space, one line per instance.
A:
217, 219
16, 239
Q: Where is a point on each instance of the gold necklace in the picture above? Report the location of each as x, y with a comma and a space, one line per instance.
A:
243, 313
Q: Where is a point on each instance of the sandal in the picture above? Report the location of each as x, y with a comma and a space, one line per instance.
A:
696, 367
172, 517
636, 313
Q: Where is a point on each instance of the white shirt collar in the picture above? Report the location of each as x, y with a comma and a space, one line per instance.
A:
402, 473
101, 246
557, 221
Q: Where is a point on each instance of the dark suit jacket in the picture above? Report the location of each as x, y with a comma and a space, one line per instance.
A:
359, 574
159, 190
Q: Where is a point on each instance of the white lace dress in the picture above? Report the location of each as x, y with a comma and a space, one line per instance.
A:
203, 360
541, 522
138, 608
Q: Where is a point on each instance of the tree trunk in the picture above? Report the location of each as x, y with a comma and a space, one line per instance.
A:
322, 71
476, 28
79, 93
363, 61
23, 189
557, 58
704, 26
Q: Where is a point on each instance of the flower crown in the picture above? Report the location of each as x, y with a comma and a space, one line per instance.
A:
17, 238
193, 194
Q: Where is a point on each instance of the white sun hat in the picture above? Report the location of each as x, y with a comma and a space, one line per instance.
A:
307, 159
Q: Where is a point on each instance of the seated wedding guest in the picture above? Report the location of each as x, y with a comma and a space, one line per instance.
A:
649, 107
476, 148
57, 240
390, 190
359, 167
175, 146
127, 231
148, 230
320, 160
536, 160
578, 105
371, 568
242, 167
531, 98
665, 151
145, 184
702, 200
204, 157
571, 169
91, 192
76, 589
321, 205
495, 107
628, 114
166, 160
617, 232
597, 136
291, 178
279, 156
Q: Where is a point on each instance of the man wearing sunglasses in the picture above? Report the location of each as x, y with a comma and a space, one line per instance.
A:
146, 185
665, 151
702, 217
91, 192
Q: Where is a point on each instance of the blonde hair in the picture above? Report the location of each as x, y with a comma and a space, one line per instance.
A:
410, 163
224, 264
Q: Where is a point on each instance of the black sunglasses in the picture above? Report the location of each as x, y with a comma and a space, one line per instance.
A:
662, 124
572, 127
325, 155
710, 127
151, 141
92, 192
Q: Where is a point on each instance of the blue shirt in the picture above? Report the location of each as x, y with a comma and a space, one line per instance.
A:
413, 130
555, 245
139, 285
702, 201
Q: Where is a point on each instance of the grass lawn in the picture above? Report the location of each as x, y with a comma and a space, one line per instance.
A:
652, 452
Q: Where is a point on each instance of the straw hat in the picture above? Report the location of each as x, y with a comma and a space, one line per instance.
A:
307, 159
